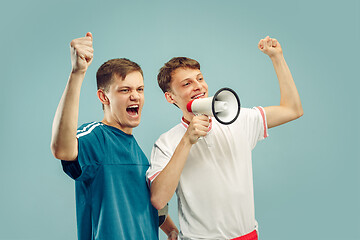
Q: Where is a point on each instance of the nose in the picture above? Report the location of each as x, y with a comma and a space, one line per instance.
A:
134, 96
197, 85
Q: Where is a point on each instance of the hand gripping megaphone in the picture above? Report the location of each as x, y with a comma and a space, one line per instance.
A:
224, 106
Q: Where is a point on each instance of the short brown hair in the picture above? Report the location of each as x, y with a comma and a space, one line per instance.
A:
119, 67
164, 76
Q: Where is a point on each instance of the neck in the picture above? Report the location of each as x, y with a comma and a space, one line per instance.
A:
188, 116
118, 126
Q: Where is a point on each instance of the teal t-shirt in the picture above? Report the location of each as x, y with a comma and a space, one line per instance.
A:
112, 196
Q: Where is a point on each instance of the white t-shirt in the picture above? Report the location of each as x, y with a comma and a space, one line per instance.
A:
215, 191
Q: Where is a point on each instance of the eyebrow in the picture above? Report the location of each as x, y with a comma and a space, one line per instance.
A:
118, 87
190, 78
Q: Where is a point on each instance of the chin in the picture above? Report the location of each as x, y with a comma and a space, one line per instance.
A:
135, 124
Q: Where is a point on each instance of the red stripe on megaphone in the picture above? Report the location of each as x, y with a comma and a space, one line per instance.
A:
188, 105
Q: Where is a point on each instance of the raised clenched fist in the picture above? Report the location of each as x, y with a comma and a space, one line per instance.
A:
270, 46
82, 53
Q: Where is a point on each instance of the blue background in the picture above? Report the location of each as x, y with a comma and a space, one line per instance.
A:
306, 173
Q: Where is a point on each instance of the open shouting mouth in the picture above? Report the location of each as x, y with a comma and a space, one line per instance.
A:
133, 110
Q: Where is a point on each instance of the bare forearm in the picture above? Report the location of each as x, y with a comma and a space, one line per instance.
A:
63, 141
169, 228
290, 105
164, 186
289, 96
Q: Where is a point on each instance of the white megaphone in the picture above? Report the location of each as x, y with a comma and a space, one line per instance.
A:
224, 106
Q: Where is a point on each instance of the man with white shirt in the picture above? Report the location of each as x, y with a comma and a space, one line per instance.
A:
208, 164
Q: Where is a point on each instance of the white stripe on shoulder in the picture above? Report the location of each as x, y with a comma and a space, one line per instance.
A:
89, 130
86, 127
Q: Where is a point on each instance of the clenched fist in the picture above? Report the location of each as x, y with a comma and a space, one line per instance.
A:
270, 46
198, 127
82, 53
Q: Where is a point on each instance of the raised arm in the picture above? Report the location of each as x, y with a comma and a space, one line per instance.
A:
63, 138
290, 105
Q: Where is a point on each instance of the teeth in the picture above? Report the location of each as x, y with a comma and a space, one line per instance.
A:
199, 95
133, 106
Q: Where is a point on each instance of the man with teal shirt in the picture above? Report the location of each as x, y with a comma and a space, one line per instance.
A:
104, 159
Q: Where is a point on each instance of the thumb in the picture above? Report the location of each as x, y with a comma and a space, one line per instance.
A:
89, 34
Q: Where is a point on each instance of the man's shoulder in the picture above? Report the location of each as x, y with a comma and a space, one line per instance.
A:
174, 130
88, 129
172, 135
247, 112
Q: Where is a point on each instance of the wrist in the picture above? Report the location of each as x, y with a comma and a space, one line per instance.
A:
175, 231
78, 72
277, 57
187, 141
76, 77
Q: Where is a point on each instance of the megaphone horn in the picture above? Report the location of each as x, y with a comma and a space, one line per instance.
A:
224, 106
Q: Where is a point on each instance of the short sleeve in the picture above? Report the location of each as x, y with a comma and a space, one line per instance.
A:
90, 153
254, 124
158, 161
71, 168
163, 150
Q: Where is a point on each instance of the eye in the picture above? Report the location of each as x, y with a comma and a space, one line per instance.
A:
124, 90
140, 89
200, 79
186, 84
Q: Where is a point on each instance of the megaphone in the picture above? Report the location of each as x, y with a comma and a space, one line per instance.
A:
224, 106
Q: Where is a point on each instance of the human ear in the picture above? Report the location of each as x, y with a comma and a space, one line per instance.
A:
102, 97
169, 97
